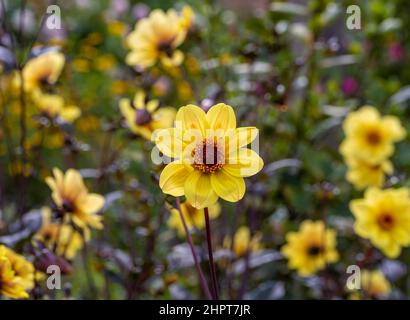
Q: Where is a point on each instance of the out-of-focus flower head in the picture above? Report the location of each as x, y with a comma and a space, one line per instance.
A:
243, 243
194, 218
396, 52
349, 86
373, 285
63, 237
363, 174
311, 248
43, 69
22, 268
156, 38
383, 217
144, 117
54, 106
73, 200
210, 155
369, 136
12, 285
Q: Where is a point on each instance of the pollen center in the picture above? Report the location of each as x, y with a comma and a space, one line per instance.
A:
385, 221
208, 156
166, 47
373, 138
315, 250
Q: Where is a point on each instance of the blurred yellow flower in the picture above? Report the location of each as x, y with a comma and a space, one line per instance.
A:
66, 240
22, 268
81, 65
105, 62
210, 155
43, 69
311, 248
157, 37
374, 283
383, 217
54, 106
243, 243
73, 199
194, 218
116, 28
369, 136
363, 174
144, 117
11, 285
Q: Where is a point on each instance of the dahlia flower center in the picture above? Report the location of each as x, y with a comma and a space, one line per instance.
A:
373, 138
208, 156
166, 47
386, 221
68, 206
315, 250
142, 116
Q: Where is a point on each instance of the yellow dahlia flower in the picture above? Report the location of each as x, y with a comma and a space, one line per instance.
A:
11, 285
144, 117
369, 136
66, 240
374, 284
311, 248
157, 37
22, 268
54, 106
194, 218
363, 174
383, 217
73, 200
243, 242
43, 69
210, 155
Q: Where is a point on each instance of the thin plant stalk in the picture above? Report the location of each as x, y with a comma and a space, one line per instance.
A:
211, 256
201, 276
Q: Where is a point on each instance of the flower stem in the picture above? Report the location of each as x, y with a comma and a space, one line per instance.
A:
201, 277
211, 256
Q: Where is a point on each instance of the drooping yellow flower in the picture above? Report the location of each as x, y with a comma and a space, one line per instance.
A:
54, 106
144, 117
374, 283
363, 174
210, 155
383, 217
157, 37
369, 136
72, 198
243, 242
311, 248
194, 218
43, 69
22, 268
66, 240
11, 285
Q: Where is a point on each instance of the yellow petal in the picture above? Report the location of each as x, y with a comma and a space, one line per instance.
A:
245, 164
91, 203
191, 117
169, 142
240, 137
228, 187
221, 116
73, 184
70, 113
173, 178
198, 190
